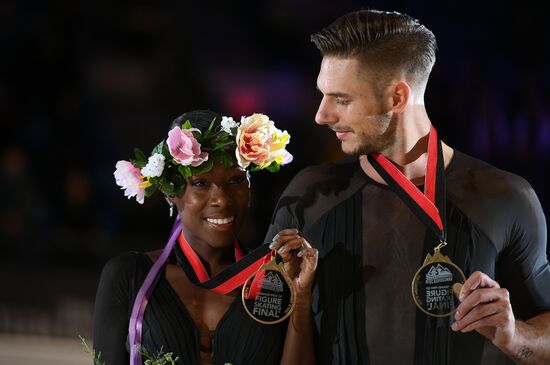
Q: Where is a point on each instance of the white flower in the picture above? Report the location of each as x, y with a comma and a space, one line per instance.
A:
154, 167
228, 123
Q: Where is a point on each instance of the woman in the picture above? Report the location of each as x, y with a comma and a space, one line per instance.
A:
202, 169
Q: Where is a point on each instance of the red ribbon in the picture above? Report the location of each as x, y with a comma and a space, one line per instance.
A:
426, 200
229, 282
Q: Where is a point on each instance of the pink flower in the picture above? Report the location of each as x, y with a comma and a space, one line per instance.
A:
185, 149
129, 178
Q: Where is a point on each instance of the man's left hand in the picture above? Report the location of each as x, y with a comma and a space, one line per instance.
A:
485, 307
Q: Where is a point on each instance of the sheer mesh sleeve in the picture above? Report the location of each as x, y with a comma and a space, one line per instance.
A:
523, 262
506, 209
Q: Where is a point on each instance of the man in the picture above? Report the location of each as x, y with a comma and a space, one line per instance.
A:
373, 75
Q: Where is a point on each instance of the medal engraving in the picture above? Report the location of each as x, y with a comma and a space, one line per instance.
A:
432, 286
268, 296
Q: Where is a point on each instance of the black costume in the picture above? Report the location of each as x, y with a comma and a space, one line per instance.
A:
238, 339
370, 245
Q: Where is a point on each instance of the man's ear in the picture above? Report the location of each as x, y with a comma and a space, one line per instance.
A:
401, 95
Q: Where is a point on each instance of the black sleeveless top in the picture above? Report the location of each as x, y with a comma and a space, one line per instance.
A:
167, 324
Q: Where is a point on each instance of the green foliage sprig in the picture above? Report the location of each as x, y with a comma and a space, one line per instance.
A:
96, 356
160, 358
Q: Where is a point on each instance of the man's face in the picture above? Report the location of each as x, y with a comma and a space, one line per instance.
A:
361, 119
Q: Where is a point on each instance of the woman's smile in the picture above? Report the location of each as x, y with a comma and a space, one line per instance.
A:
221, 223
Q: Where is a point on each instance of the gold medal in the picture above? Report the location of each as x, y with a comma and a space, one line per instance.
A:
432, 285
269, 295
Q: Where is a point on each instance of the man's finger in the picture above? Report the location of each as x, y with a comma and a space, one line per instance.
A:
476, 314
475, 281
457, 287
480, 296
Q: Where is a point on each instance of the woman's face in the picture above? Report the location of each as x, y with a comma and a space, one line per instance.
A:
213, 205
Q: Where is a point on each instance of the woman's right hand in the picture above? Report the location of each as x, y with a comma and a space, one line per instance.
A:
299, 258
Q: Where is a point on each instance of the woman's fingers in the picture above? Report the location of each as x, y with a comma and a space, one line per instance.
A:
308, 266
287, 242
291, 247
299, 256
281, 237
309, 258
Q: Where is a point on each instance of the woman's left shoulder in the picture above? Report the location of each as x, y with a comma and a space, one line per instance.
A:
124, 268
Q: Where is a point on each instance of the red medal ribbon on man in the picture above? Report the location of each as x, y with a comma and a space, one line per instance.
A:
424, 205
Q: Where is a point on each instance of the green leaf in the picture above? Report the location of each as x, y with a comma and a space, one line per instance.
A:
207, 133
274, 167
203, 167
171, 182
138, 164
150, 190
140, 156
159, 148
198, 136
166, 152
186, 125
168, 188
222, 145
185, 171
223, 157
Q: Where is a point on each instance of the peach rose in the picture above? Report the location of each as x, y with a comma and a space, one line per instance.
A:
252, 140
260, 142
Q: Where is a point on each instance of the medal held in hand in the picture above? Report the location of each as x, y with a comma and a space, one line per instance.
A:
432, 285
269, 296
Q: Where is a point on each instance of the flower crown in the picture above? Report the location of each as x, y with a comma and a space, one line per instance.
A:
255, 142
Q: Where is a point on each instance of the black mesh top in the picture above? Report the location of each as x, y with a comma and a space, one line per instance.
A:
238, 339
370, 245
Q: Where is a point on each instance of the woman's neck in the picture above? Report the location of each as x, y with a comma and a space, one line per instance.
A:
214, 259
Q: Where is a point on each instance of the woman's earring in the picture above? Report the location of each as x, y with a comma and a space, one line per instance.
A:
171, 204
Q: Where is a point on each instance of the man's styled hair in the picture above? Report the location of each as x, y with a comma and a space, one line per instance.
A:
388, 43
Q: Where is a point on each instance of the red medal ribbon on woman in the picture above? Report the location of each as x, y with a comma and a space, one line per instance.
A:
424, 205
230, 278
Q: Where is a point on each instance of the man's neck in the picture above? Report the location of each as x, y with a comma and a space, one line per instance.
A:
409, 153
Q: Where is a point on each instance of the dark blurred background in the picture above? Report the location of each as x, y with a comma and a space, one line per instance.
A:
83, 83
